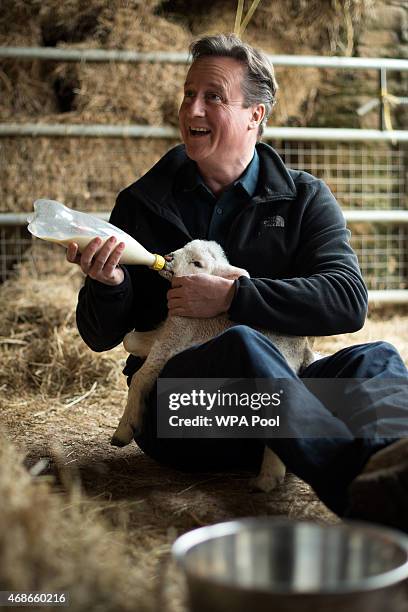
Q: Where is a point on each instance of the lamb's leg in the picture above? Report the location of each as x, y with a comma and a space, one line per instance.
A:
140, 343
173, 338
141, 384
272, 472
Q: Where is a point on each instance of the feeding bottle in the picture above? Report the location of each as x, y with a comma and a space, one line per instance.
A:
55, 222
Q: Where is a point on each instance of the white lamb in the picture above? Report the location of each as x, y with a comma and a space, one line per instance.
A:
176, 334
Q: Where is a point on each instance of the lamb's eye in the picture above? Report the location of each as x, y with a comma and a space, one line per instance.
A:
197, 264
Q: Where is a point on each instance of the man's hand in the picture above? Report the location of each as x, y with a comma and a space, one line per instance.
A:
200, 295
99, 262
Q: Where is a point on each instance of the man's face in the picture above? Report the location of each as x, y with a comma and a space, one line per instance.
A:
213, 121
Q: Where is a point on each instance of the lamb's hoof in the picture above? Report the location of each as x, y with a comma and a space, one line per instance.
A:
122, 436
266, 484
116, 441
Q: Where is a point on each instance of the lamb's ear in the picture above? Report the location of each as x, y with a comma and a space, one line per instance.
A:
231, 272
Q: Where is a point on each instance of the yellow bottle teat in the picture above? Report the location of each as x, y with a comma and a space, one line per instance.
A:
159, 262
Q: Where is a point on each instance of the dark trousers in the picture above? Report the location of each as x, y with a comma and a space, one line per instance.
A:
328, 463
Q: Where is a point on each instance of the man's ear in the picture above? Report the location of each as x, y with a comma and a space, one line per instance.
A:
258, 114
230, 272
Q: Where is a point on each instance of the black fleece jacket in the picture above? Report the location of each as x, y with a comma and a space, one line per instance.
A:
291, 237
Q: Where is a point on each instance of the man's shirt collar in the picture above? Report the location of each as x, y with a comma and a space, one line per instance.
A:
247, 181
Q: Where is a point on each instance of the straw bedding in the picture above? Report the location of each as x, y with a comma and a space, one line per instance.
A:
98, 521
61, 542
76, 514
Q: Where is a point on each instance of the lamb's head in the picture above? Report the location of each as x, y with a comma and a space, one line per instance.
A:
200, 256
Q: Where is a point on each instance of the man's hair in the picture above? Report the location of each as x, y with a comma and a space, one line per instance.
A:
259, 85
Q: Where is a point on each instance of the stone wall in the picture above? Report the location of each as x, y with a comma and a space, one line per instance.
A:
382, 33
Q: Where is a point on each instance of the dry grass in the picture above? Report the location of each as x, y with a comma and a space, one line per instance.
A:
279, 27
106, 544
102, 93
149, 93
87, 173
390, 327
289, 27
152, 93
312, 26
60, 403
39, 344
60, 542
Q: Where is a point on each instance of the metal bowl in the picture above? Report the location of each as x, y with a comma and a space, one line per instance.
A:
278, 565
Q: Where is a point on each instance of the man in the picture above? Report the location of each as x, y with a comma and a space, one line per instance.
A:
287, 230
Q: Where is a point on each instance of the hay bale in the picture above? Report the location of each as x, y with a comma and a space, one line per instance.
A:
25, 90
18, 23
134, 93
312, 26
71, 21
88, 173
130, 93
142, 30
149, 93
79, 20
84, 173
281, 28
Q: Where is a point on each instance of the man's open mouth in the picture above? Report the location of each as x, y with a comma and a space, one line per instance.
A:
197, 132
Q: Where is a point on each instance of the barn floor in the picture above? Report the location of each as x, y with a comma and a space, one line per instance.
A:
71, 427
148, 502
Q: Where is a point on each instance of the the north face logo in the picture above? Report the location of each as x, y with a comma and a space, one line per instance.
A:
275, 221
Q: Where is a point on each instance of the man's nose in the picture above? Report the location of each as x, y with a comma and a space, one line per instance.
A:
197, 107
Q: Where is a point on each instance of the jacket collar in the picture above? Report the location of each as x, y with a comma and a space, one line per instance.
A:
274, 178
155, 188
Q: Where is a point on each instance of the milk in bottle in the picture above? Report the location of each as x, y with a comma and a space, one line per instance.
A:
54, 222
